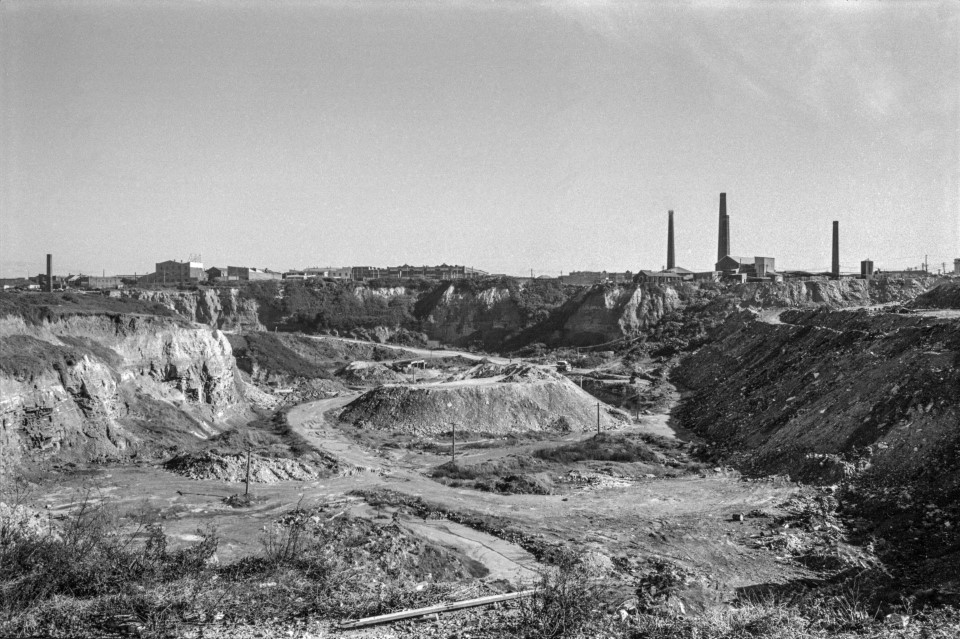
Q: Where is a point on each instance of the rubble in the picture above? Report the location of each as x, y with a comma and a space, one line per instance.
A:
232, 468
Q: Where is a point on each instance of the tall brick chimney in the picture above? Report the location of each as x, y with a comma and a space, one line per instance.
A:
671, 256
835, 265
723, 242
49, 283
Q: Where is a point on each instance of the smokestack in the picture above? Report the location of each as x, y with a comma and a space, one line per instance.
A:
835, 268
723, 241
671, 261
49, 273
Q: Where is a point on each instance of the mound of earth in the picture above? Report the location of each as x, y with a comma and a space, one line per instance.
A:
495, 407
946, 295
233, 468
369, 373
508, 372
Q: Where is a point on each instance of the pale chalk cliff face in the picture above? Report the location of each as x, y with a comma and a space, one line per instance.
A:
604, 313
457, 317
607, 313
832, 293
223, 308
105, 385
589, 316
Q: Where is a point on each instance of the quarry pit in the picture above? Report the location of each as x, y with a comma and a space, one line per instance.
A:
483, 469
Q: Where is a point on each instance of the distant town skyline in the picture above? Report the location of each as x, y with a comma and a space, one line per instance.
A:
501, 136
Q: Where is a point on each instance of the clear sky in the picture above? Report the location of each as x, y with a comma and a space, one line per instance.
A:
504, 135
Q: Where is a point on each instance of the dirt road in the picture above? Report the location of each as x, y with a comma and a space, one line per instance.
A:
425, 353
686, 519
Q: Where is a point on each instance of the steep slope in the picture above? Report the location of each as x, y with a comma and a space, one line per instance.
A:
223, 308
828, 382
945, 295
490, 313
866, 400
97, 385
504, 315
830, 293
606, 313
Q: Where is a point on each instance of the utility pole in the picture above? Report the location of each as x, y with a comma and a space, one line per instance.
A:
246, 492
598, 418
453, 447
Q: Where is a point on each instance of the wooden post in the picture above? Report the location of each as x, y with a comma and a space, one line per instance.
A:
598, 418
453, 448
246, 493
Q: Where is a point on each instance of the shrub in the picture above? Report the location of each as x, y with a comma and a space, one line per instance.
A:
567, 602
601, 447
89, 557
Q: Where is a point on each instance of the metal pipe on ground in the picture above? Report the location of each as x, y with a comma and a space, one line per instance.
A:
429, 610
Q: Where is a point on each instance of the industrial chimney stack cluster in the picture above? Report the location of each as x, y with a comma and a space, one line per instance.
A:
723, 243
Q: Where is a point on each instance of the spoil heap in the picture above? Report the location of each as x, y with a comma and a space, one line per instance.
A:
368, 373
864, 401
517, 398
946, 295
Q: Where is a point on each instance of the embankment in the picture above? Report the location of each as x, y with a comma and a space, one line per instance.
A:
103, 385
224, 308
503, 313
828, 382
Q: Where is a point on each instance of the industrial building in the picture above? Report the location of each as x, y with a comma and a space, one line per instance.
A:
94, 282
757, 266
329, 272
250, 274
685, 274
736, 267
174, 272
658, 277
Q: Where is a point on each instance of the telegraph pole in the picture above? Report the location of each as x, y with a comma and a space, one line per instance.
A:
246, 492
453, 447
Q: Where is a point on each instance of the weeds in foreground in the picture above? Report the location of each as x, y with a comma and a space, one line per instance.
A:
567, 602
773, 620
92, 576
